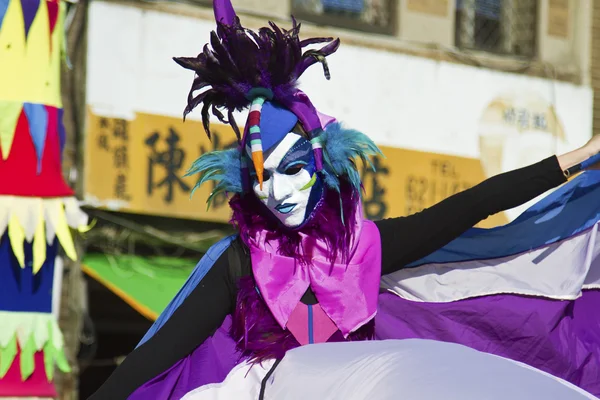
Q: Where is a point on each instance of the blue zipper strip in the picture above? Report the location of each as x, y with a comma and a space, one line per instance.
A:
310, 325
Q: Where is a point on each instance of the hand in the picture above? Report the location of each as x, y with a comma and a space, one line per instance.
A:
591, 148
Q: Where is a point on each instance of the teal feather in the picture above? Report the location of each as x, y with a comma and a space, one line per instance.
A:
341, 148
223, 167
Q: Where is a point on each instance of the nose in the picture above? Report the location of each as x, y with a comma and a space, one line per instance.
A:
280, 188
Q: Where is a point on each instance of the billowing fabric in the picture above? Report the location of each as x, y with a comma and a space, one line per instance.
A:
558, 335
412, 369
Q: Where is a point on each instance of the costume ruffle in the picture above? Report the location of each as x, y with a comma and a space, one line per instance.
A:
40, 221
25, 334
30, 68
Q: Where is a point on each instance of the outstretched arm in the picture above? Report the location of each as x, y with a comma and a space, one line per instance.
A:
191, 324
407, 239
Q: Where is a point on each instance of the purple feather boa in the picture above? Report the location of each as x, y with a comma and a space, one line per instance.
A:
325, 223
257, 334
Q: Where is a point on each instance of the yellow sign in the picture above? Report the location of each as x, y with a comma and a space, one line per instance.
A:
138, 166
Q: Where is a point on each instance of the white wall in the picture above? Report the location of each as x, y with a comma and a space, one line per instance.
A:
398, 100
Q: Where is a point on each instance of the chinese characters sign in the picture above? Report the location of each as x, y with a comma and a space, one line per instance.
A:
525, 119
139, 165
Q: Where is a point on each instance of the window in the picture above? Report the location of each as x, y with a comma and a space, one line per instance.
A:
376, 16
497, 26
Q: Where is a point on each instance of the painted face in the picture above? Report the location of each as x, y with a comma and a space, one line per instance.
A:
291, 187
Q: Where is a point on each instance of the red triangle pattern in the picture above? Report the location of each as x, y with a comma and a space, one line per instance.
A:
37, 385
53, 8
19, 170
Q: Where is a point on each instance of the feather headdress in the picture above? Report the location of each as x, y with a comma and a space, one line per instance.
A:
242, 68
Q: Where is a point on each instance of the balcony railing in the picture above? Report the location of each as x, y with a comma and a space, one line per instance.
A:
374, 16
497, 26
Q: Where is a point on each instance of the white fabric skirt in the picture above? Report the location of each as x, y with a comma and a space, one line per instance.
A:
412, 369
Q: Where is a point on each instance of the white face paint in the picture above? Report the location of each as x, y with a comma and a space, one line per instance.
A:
287, 183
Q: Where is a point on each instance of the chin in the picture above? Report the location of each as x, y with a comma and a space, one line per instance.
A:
292, 221
291, 224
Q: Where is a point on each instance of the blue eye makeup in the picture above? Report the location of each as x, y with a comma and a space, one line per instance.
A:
294, 167
297, 158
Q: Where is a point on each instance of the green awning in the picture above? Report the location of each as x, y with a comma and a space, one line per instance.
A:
146, 284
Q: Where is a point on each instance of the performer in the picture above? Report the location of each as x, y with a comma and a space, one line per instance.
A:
305, 267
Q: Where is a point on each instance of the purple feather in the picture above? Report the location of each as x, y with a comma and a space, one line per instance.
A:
224, 12
238, 60
324, 223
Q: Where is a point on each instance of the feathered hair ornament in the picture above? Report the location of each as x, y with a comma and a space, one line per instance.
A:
242, 68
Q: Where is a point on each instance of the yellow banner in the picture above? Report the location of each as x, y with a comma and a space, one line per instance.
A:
30, 65
138, 166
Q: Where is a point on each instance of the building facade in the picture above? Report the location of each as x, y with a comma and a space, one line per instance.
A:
453, 91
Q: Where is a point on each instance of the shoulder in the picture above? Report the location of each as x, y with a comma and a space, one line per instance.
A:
238, 257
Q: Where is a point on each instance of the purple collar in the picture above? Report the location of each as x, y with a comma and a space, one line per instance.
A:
347, 293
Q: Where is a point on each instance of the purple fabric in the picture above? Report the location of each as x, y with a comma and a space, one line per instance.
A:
30, 8
299, 103
62, 134
209, 363
559, 337
257, 334
325, 119
224, 12
347, 292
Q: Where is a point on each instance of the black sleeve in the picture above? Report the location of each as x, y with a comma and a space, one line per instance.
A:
198, 317
407, 239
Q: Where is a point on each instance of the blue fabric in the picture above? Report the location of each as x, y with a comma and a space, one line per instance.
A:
571, 209
275, 123
3, 8
199, 272
20, 289
37, 117
311, 338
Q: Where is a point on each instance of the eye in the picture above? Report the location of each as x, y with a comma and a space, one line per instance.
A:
266, 175
293, 170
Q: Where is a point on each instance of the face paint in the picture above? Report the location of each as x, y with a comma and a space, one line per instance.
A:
289, 180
